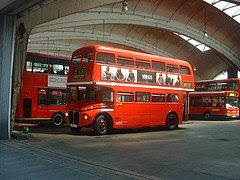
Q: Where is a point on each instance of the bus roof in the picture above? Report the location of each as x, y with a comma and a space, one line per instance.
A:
129, 52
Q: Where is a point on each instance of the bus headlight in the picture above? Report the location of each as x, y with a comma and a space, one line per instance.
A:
86, 117
66, 114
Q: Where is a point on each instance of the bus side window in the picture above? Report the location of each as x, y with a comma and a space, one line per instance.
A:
184, 70
40, 64
29, 66
195, 101
172, 98
124, 97
59, 66
57, 97
172, 68
158, 97
105, 58
158, 66
42, 97
125, 61
142, 64
107, 96
142, 97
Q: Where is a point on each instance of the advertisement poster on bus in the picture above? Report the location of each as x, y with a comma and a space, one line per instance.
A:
129, 75
118, 74
57, 81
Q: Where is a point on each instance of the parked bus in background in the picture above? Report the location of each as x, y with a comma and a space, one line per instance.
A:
43, 91
113, 88
213, 104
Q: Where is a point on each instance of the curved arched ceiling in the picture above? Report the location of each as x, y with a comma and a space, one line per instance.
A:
148, 26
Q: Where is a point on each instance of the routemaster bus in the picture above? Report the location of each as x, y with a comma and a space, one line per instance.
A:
42, 97
114, 88
213, 104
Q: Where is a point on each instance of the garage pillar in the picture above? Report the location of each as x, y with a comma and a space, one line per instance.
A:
7, 38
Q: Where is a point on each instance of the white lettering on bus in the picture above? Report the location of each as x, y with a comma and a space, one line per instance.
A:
147, 76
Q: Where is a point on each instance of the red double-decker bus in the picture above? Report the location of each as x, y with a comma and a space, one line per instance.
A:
113, 88
213, 105
43, 90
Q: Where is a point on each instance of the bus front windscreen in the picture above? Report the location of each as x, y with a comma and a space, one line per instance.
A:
231, 102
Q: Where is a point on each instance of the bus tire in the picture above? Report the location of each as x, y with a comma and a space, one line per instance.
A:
58, 120
207, 115
101, 125
172, 121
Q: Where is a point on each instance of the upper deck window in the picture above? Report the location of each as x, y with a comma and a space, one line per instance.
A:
105, 58
157, 66
172, 68
59, 66
200, 87
143, 64
125, 61
212, 86
37, 64
184, 70
83, 57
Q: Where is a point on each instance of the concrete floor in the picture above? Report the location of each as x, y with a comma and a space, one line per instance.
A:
198, 150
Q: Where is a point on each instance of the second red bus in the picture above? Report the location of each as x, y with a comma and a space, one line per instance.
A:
42, 96
213, 105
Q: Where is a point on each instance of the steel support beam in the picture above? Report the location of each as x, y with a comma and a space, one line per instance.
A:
115, 17
7, 37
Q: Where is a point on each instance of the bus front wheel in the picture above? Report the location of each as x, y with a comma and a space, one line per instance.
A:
207, 115
101, 125
58, 120
172, 121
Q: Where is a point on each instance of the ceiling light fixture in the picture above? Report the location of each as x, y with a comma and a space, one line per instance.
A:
205, 33
124, 6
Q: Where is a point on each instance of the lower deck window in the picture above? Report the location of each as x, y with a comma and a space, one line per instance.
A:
51, 97
107, 96
172, 98
158, 97
86, 93
125, 97
142, 97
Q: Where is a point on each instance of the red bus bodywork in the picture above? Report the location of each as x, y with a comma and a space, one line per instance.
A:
213, 104
42, 94
232, 84
144, 90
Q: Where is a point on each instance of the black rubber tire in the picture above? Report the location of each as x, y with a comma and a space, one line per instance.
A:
58, 120
101, 125
172, 121
207, 115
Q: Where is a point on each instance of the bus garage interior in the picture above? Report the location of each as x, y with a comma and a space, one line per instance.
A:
205, 33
